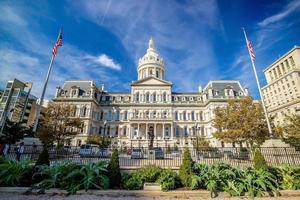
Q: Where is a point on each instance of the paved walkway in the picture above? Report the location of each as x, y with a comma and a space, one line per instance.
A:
13, 193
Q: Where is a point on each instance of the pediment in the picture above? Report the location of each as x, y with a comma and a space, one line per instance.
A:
151, 81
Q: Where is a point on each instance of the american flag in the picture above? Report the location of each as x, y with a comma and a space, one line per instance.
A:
58, 43
251, 50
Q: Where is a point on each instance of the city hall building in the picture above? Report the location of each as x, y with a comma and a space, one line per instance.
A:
151, 107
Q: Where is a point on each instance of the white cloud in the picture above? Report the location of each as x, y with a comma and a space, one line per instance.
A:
106, 61
286, 11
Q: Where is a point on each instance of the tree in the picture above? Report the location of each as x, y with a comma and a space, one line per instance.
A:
59, 124
200, 143
241, 120
114, 173
103, 142
291, 130
13, 132
186, 168
259, 160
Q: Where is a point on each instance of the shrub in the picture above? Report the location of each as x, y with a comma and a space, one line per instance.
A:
259, 160
15, 173
168, 180
149, 173
43, 158
132, 181
290, 177
185, 170
114, 173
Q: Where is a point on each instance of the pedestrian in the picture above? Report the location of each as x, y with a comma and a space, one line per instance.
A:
20, 150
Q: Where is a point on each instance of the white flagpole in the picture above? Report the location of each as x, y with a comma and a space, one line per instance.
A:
258, 85
39, 107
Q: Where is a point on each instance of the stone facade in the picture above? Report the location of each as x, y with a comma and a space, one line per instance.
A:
152, 107
282, 92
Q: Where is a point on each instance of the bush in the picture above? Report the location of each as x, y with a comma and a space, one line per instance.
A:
149, 173
168, 180
185, 170
43, 158
15, 173
290, 177
114, 173
259, 160
132, 181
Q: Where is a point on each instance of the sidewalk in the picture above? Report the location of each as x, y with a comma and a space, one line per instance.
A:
13, 193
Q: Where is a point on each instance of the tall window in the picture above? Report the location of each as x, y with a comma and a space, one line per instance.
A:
125, 115
147, 97
176, 115
157, 74
177, 131
137, 97
117, 116
84, 111
193, 115
101, 115
184, 115
109, 116
186, 131
154, 97
164, 97
167, 131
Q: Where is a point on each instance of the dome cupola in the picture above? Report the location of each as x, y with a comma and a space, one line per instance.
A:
151, 64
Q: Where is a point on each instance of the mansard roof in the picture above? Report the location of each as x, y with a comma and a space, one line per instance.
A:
221, 85
151, 81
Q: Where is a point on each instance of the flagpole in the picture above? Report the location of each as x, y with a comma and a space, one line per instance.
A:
258, 85
39, 107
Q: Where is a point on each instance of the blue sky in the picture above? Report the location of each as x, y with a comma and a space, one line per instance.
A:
103, 39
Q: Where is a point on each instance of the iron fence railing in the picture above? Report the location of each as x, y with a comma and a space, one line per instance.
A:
163, 157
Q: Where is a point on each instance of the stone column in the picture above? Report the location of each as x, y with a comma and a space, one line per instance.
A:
138, 131
146, 131
163, 127
172, 131
155, 131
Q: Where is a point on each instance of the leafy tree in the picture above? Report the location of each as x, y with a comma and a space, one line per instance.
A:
291, 130
114, 173
200, 143
13, 132
186, 168
103, 142
242, 120
43, 158
58, 124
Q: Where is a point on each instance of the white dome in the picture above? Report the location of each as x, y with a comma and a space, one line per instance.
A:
151, 61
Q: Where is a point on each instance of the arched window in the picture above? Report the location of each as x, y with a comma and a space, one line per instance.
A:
154, 97
147, 97
164, 97
137, 97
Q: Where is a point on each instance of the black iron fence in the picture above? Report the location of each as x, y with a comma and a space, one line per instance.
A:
130, 158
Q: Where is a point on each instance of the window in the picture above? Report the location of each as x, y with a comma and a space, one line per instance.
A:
167, 131
84, 111
177, 131
176, 115
154, 114
117, 115
147, 97
125, 115
186, 131
124, 131
193, 115
157, 74
109, 116
194, 131
184, 115
164, 97
137, 97
154, 97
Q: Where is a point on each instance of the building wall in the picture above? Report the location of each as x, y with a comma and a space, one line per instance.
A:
282, 92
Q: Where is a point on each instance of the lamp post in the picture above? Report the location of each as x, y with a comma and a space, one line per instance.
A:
196, 128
